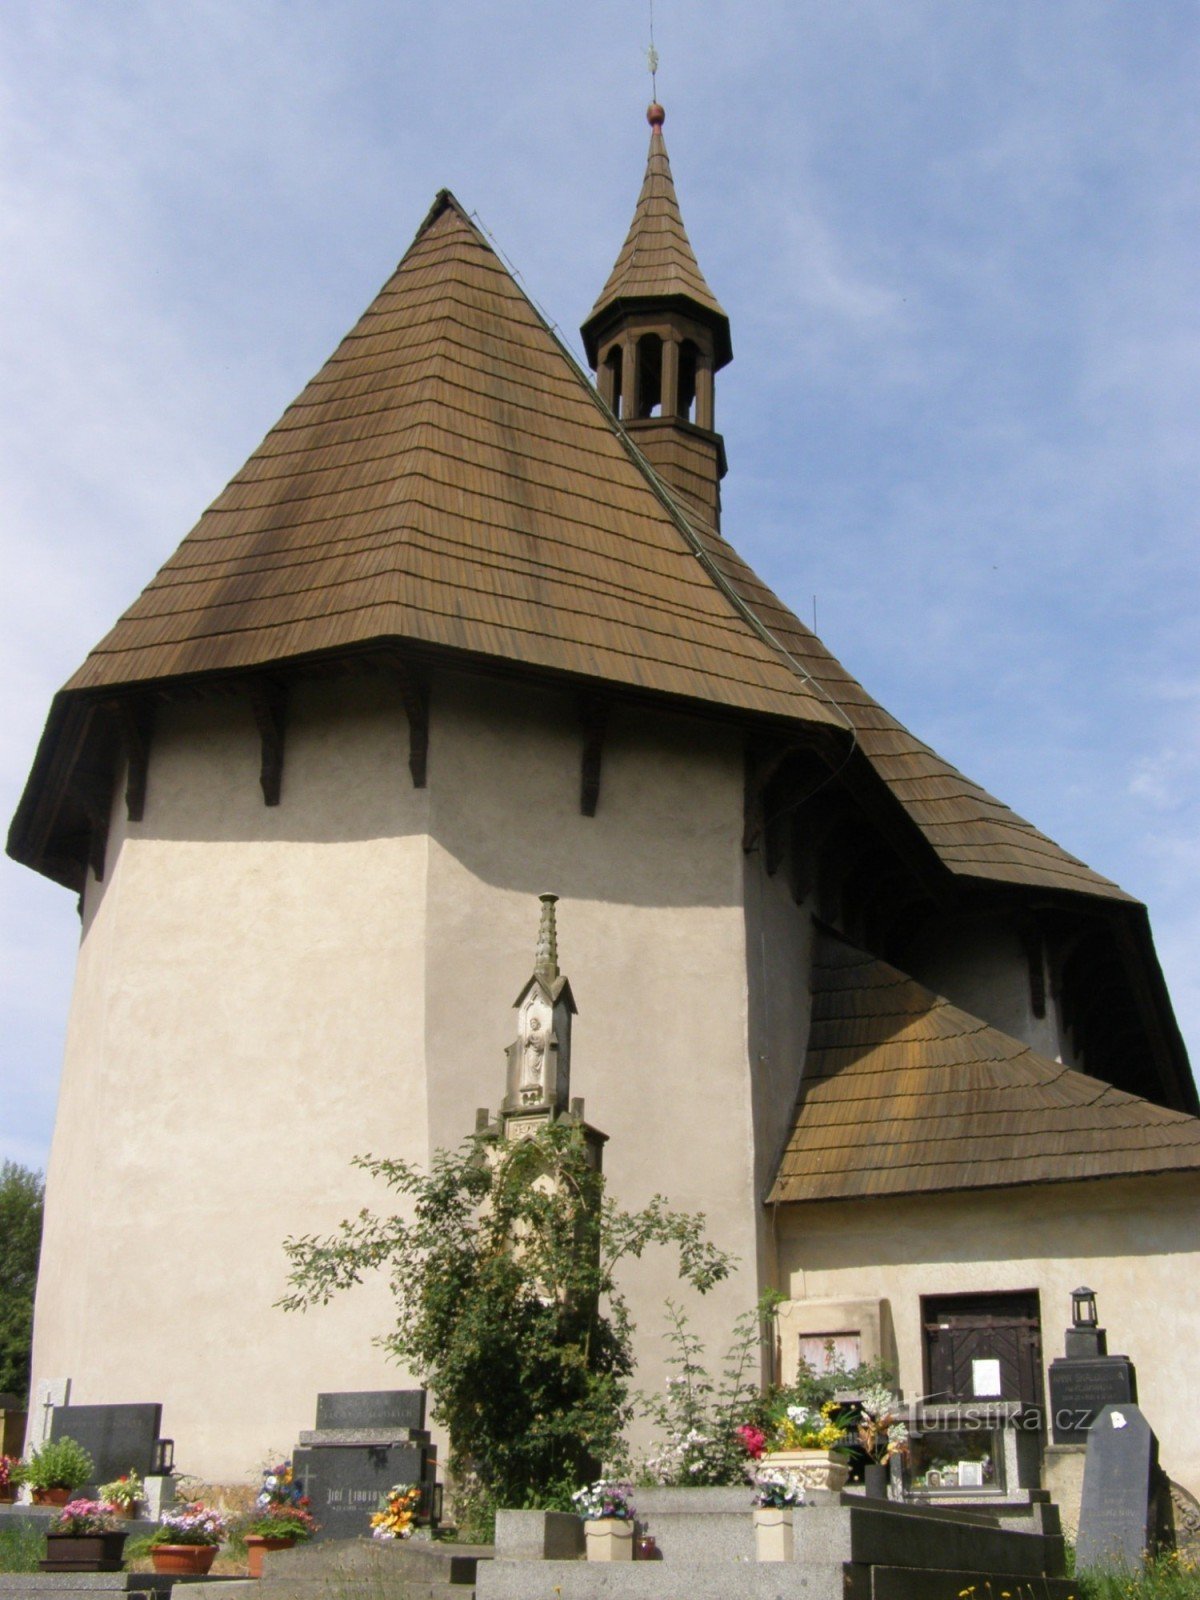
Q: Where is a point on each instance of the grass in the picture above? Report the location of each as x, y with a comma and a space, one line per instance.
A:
1174, 1576
22, 1545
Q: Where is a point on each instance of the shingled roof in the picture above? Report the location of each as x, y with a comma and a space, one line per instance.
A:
657, 264
905, 1093
450, 479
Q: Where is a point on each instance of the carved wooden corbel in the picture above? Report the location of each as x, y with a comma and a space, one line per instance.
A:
594, 718
268, 697
133, 729
414, 692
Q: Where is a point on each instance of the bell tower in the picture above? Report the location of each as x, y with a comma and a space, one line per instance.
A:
656, 337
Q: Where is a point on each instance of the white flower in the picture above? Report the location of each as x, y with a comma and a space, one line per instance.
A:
798, 1415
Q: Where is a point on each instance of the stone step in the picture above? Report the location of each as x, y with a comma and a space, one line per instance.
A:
410, 1560
659, 1580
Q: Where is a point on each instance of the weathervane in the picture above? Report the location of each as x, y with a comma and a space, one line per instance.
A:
652, 57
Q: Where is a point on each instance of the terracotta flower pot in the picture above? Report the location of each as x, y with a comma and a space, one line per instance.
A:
50, 1497
183, 1558
83, 1552
773, 1533
257, 1545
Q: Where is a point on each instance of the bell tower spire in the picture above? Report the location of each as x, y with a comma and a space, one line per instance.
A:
657, 335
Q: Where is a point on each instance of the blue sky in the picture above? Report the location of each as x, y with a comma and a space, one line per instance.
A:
957, 243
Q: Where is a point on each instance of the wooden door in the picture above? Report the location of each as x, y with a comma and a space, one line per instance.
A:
983, 1347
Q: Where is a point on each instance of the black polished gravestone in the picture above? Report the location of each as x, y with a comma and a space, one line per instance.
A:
1080, 1387
118, 1438
1125, 1511
363, 1445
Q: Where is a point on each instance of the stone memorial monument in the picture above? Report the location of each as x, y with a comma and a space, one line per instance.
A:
363, 1443
1125, 1514
117, 1438
1086, 1378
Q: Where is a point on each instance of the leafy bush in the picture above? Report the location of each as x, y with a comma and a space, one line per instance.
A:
58, 1464
21, 1196
506, 1306
698, 1418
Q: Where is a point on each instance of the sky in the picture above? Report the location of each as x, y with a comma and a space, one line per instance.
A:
957, 243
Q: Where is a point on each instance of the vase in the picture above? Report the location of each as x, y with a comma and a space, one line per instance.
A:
875, 1480
83, 1552
773, 1535
50, 1497
183, 1558
813, 1469
608, 1539
257, 1545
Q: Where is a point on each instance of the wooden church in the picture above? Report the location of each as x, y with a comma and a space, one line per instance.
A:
465, 628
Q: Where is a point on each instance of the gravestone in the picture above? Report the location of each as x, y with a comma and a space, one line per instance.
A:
116, 1437
365, 1442
51, 1392
1122, 1516
1081, 1387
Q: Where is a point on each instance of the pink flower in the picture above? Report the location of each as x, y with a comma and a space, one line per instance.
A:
753, 1439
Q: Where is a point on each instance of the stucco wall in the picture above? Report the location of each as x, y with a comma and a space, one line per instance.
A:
1136, 1242
265, 992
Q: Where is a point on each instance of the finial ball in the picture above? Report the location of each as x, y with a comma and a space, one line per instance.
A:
655, 115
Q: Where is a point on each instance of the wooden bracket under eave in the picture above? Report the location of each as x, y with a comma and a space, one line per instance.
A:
414, 692
594, 718
94, 799
133, 722
268, 697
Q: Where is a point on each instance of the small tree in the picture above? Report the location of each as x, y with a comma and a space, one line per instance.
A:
506, 1306
21, 1195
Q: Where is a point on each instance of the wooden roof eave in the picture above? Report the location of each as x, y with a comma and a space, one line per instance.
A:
886, 1197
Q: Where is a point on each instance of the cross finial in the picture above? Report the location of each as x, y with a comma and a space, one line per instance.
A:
545, 961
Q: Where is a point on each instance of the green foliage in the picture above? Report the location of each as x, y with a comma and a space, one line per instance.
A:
21, 1193
502, 1269
697, 1417
1172, 1576
22, 1544
58, 1464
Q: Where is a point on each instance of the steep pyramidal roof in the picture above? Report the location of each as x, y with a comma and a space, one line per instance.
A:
657, 262
904, 1093
449, 477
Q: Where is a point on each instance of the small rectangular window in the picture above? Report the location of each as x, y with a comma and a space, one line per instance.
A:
831, 1352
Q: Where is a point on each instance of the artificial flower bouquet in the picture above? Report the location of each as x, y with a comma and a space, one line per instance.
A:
803, 1428
881, 1435
124, 1492
190, 1524
81, 1517
605, 1499
281, 1508
397, 1512
777, 1488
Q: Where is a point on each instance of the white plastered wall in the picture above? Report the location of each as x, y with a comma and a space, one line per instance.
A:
264, 993
1135, 1241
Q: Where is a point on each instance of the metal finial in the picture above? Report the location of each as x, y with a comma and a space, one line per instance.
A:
545, 962
652, 57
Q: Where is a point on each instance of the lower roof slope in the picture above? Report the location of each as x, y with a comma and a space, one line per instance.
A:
905, 1093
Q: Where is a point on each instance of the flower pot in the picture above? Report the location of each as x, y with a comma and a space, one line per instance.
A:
83, 1552
183, 1558
815, 1469
773, 1534
125, 1512
257, 1545
608, 1539
50, 1497
875, 1480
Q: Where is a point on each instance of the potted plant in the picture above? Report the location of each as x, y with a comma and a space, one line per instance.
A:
881, 1435
124, 1494
811, 1444
281, 1516
187, 1538
12, 1476
55, 1469
84, 1538
777, 1492
607, 1510
397, 1512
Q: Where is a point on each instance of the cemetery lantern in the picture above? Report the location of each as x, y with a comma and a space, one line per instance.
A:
1083, 1308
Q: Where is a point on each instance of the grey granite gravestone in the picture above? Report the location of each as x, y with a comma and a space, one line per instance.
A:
1121, 1517
116, 1437
372, 1408
363, 1444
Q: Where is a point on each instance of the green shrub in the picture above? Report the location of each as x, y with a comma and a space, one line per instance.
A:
59, 1464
